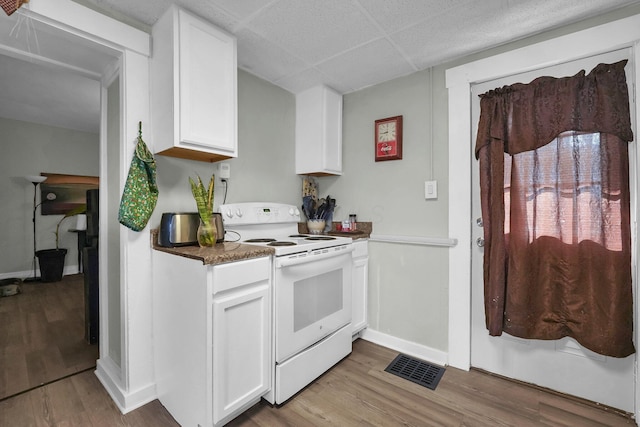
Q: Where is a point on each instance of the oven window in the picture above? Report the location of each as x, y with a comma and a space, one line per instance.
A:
316, 297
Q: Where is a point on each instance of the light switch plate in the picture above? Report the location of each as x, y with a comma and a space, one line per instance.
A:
431, 190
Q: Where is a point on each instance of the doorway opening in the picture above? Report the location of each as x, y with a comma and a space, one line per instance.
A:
51, 108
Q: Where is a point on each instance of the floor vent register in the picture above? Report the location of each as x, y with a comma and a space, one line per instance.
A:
416, 371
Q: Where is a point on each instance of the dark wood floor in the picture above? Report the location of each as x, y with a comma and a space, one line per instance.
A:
357, 392
42, 335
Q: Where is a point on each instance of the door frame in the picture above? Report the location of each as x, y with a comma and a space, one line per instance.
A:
123, 367
606, 37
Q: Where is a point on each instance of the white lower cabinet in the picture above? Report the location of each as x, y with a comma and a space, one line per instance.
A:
241, 339
360, 286
212, 336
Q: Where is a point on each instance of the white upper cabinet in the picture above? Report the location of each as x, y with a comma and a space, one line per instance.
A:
319, 132
193, 88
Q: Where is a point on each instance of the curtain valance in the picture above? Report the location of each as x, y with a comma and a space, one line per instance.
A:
528, 116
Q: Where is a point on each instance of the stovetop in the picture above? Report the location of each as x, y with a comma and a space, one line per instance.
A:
274, 225
286, 245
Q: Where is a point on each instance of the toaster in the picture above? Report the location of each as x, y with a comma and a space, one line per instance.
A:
178, 229
181, 229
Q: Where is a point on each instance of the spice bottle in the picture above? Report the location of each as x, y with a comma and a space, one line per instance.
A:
353, 220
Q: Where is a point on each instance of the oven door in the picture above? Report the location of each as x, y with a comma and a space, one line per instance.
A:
312, 297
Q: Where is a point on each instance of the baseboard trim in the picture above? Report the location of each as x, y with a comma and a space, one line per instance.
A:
125, 401
409, 348
68, 270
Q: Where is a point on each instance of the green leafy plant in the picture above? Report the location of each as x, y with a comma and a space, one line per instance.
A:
204, 202
76, 211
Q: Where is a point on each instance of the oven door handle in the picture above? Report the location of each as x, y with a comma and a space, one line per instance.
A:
311, 257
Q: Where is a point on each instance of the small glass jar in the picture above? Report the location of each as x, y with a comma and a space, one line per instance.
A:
353, 221
207, 234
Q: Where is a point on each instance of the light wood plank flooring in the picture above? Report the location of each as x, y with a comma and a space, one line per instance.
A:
42, 335
356, 392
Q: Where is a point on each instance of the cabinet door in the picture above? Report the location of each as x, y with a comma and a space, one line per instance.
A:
241, 348
319, 132
208, 85
360, 284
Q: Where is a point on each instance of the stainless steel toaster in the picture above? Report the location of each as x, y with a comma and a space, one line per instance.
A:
178, 229
181, 229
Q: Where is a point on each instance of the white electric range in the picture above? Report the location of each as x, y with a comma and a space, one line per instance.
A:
311, 282
274, 225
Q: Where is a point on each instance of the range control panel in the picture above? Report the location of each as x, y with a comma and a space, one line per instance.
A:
259, 213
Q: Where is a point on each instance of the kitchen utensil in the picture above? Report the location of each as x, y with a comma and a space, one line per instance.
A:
307, 207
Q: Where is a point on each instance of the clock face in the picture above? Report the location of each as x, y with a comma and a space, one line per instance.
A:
387, 132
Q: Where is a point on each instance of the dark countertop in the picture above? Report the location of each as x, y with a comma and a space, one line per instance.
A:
363, 230
220, 253
225, 252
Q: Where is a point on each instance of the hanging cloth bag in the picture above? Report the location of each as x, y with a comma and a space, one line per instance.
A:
140, 191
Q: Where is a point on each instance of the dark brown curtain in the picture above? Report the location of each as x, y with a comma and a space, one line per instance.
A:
554, 179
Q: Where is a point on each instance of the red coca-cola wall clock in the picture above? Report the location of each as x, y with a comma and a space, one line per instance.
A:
388, 138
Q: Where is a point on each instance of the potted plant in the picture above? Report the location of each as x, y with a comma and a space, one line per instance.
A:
51, 261
204, 202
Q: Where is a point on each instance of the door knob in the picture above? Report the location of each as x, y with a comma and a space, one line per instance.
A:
479, 221
480, 242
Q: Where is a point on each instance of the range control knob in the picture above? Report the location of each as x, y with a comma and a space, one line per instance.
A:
239, 213
229, 213
292, 211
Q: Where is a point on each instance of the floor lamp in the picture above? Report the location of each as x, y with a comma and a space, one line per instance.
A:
35, 180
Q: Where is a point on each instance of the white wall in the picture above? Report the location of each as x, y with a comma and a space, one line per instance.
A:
29, 149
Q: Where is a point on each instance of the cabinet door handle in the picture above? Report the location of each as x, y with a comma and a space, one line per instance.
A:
317, 255
480, 242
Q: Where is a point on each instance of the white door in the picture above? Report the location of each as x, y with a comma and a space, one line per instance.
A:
561, 365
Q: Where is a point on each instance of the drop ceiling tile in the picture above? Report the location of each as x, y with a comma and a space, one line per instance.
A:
41, 40
490, 24
315, 30
149, 11
264, 59
145, 12
366, 65
305, 79
72, 102
431, 42
394, 15
241, 9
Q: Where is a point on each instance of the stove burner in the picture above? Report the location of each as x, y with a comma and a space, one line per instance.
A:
320, 238
281, 244
299, 235
260, 240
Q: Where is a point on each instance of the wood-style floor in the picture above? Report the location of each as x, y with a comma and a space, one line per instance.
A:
356, 392
42, 335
